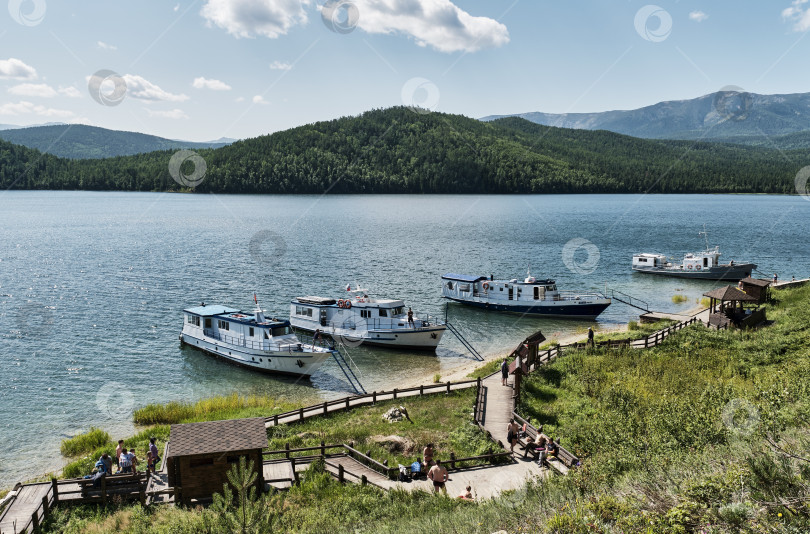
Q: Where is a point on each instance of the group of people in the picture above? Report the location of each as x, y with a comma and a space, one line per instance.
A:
542, 448
126, 462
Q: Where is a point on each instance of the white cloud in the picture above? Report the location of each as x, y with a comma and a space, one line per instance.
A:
798, 14
105, 46
14, 68
29, 108
214, 85
176, 8
71, 92
436, 23
171, 114
698, 16
246, 18
142, 89
240, 99
259, 99
280, 65
41, 90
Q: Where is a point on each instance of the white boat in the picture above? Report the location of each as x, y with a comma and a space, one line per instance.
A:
361, 319
531, 296
250, 340
702, 265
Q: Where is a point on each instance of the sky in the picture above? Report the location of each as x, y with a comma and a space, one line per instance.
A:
205, 69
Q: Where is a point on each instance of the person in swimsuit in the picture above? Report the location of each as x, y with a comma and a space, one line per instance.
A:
427, 456
438, 474
467, 494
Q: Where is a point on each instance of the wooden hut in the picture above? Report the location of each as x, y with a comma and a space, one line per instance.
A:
523, 356
756, 287
729, 305
201, 454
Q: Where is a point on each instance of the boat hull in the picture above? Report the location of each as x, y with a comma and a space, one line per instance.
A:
733, 273
585, 310
426, 339
291, 363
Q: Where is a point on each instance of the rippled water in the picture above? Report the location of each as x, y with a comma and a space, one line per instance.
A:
92, 284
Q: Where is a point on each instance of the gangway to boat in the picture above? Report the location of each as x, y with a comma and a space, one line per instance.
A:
467, 345
624, 298
346, 367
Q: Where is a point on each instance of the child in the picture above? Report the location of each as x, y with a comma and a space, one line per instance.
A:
467, 494
150, 462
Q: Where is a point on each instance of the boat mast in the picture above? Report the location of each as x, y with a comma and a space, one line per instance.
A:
705, 235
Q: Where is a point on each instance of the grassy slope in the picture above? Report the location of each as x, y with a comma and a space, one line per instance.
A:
672, 440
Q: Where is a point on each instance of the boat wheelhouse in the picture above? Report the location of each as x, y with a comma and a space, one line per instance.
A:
251, 340
531, 296
362, 319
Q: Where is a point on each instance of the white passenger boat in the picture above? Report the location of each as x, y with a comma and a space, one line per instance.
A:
250, 340
361, 319
702, 265
531, 296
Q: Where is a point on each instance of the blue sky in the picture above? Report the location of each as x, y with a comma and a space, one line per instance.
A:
241, 68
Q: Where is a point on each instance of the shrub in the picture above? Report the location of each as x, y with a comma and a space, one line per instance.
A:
437, 378
678, 299
84, 443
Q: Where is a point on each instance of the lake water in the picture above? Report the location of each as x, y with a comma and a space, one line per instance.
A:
92, 284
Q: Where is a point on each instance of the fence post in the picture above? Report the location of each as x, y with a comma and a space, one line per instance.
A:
395, 393
104, 489
448, 387
55, 486
323, 449
45, 507
478, 382
287, 448
301, 414
646, 341
373, 397
35, 521
421, 390
452, 460
324, 408
340, 473
275, 420
363, 480
347, 403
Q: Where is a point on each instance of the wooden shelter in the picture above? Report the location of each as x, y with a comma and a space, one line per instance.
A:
201, 454
730, 305
756, 287
523, 356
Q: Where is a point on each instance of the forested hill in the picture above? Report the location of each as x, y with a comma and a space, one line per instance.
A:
399, 151
80, 141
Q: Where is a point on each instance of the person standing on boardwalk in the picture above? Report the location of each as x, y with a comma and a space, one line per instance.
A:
504, 373
438, 475
125, 462
118, 450
590, 336
775, 278
153, 450
512, 434
410, 318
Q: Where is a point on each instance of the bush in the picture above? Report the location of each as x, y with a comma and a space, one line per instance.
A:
678, 299
632, 325
84, 443
437, 378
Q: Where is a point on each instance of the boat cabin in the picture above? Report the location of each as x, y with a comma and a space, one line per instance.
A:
229, 325
320, 311
649, 260
704, 260
463, 287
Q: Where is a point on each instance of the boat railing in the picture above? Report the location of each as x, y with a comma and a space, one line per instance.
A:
234, 340
579, 295
390, 323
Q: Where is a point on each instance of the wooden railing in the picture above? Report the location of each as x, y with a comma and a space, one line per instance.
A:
479, 409
563, 454
354, 401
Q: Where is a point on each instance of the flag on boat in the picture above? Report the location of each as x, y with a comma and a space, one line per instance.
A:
348, 287
254, 299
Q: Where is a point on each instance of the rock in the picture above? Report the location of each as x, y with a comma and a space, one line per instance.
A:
307, 435
394, 444
394, 415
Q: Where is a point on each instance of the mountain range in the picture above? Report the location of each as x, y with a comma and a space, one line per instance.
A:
79, 141
731, 116
397, 150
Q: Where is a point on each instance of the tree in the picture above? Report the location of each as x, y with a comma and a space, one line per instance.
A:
243, 512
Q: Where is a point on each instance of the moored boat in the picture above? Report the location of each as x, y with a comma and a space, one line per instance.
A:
531, 296
251, 340
359, 318
702, 265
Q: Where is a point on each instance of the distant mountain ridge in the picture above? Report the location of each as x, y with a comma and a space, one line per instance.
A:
79, 141
733, 116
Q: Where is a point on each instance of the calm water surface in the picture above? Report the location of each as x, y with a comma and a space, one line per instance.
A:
92, 284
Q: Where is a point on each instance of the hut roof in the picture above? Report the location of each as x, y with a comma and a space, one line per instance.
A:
729, 293
213, 437
756, 282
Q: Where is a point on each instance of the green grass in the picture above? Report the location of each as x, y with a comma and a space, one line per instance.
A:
486, 369
638, 331
215, 408
444, 420
679, 299
85, 443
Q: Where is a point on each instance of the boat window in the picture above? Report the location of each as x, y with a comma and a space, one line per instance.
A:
188, 318
399, 310
208, 322
383, 313
449, 285
536, 292
251, 332
281, 331
224, 325
501, 289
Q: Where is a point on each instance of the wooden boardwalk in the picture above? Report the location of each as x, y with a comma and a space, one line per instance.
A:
18, 516
354, 401
498, 406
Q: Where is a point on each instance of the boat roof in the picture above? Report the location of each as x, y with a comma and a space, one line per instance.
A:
649, 255
210, 309
318, 301
463, 277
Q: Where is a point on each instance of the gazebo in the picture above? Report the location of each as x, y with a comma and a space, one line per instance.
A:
756, 287
730, 305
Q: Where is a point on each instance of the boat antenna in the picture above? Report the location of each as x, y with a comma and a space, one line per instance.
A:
705, 235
